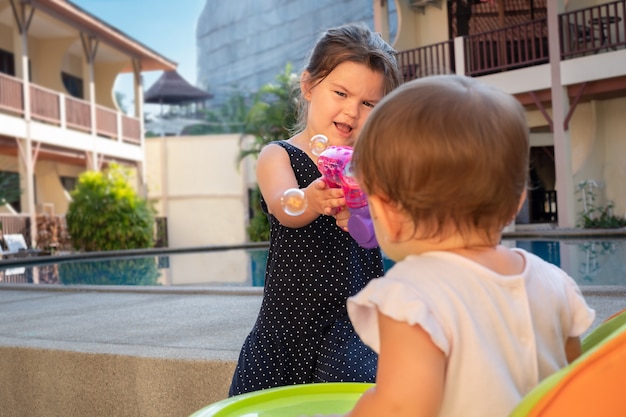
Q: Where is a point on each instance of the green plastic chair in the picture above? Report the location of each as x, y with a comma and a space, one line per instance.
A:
290, 401
603, 330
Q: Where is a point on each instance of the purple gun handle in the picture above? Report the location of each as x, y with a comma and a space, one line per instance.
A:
361, 228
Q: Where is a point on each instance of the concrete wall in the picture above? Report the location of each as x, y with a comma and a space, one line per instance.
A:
56, 383
197, 184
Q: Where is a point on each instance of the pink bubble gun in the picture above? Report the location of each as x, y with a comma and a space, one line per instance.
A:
335, 165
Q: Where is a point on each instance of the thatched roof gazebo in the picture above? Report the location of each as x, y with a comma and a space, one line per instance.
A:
172, 89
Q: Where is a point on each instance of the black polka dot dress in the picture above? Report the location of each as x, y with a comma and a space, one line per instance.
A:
303, 333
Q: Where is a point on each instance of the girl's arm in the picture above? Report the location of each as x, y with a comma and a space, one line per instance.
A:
275, 176
410, 377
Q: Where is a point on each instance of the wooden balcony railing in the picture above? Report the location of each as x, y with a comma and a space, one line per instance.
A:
11, 95
44, 105
106, 122
508, 48
427, 60
131, 130
58, 109
78, 114
586, 31
593, 29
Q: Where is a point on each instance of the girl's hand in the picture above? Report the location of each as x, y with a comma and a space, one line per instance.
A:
275, 175
324, 200
342, 217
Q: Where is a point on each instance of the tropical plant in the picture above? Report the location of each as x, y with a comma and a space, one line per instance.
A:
593, 216
271, 117
107, 214
273, 114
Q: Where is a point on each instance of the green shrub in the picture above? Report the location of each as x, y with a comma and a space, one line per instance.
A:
107, 214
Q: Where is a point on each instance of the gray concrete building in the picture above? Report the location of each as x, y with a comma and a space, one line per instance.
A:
244, 44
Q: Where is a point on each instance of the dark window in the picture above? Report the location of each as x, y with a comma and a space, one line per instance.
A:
7, 62
10, 189
73, 85
69, 183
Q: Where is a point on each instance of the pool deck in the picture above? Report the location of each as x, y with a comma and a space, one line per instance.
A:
130, 351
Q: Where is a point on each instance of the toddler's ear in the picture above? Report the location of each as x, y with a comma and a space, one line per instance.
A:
388, 218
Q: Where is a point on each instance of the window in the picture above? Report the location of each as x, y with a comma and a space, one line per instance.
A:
7, 62
10, 189
69, 183
73, 85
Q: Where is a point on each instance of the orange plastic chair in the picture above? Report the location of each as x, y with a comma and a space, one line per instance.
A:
592, 385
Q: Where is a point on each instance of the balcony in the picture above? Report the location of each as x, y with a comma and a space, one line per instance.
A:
585, 32
57, 109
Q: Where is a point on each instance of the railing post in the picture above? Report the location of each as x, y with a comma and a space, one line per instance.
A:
120, 129
459, 55
62, 111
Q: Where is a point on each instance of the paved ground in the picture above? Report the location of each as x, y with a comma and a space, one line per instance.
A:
195, 324
165, 322
128, 352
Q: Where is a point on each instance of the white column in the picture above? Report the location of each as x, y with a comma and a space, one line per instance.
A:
381, 18
560, 108
459, 55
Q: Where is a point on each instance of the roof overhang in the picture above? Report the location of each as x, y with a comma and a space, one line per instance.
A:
84, 22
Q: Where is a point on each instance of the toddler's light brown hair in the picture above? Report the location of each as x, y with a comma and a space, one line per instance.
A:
450, 151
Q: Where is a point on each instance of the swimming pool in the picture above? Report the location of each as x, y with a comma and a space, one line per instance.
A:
597, 262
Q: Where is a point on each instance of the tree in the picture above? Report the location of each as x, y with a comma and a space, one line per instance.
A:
227, 118
271, 117
273, 114
119, 99
107, 214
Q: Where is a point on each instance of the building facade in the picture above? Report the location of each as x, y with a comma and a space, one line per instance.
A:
58, 113
245, 44
563, 60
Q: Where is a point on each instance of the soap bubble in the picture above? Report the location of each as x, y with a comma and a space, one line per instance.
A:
293, 201
318, 144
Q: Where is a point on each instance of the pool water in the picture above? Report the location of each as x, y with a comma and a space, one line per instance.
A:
589, 262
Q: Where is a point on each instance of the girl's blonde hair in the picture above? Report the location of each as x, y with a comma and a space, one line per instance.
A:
450, 151
348, 43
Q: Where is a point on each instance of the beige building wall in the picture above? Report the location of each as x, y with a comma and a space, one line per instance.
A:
49, 187
197, 184
6, 38
419, 29
614, 167
596, 131
46, 57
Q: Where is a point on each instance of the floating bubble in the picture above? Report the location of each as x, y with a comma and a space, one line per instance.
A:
293, 201
318, 144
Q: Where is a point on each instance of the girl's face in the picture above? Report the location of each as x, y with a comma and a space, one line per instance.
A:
341, 102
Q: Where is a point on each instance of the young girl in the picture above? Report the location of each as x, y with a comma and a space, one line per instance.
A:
463, 325
303, 333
